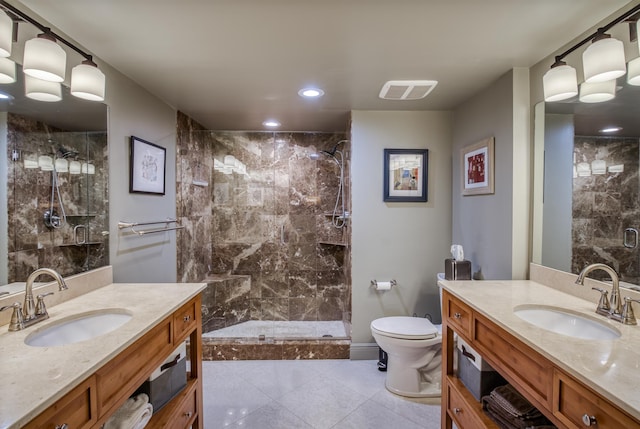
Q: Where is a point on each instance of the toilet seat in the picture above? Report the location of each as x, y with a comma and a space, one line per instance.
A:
403, 327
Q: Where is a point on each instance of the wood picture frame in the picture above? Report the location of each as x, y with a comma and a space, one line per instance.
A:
477, 168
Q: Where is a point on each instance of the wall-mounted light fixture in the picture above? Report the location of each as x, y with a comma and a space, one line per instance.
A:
45, 59
602, 61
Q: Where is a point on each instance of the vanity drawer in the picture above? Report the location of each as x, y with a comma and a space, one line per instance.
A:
77, 409
572, 402
458, 314
185, 320
463, 408
521, 365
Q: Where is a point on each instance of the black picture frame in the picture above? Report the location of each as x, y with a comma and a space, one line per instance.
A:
147, 167
405, 175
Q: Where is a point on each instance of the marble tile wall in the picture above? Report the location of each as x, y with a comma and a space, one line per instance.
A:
31, 243
272, 224
604, 205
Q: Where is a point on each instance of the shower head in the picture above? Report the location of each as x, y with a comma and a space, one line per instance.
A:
332, 152
67, 153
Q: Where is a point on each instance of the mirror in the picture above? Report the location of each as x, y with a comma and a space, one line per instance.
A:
590, 200
53, 185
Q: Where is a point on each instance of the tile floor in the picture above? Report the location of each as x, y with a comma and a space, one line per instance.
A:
308, 394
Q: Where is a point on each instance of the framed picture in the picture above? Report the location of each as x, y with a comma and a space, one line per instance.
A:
405, 175
477, 168
147, 163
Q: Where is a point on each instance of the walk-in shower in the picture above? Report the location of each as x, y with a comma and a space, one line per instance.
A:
338, 217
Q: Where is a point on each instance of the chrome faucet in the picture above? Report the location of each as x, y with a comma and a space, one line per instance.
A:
614, 310
29, 309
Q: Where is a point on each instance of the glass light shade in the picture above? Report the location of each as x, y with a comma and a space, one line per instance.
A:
604, 60
42, 90
584, 169
45, 163
7, 71
91, 169
560, 83
6, 34
74, 167
598, 166
62, 165
44, 59
597, 92
30, 161
87, 82
633, 72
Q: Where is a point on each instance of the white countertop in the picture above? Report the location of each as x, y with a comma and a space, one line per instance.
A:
610, 367
33, 378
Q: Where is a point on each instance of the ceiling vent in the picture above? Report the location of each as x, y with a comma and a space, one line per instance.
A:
407, 89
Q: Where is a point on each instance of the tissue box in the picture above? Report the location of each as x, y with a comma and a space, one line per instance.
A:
475, 373
457, 270
167, 380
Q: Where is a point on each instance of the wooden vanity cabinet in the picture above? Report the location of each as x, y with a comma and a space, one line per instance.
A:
90, 404
563, 399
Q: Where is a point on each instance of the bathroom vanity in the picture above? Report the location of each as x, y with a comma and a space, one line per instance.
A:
575, 382
82, 384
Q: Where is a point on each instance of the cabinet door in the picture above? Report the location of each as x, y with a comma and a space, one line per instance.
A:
578, 407
77, 409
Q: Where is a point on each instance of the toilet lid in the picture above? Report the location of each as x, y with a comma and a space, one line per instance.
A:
415, 328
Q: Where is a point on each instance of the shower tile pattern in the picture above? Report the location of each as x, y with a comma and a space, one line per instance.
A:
604, 205
31, 244
271, 226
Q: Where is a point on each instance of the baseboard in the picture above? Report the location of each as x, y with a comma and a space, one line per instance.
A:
364, 351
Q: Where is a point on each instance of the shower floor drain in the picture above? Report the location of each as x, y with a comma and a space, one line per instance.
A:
327, 336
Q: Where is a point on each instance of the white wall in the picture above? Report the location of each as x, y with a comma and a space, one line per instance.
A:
494, 229
407, 242
133, 111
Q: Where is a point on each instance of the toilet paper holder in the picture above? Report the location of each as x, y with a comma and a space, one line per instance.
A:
374, 283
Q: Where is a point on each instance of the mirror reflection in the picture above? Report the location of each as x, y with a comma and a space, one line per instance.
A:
54, 177
591, 161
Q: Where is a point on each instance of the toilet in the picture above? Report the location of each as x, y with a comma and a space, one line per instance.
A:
414, 349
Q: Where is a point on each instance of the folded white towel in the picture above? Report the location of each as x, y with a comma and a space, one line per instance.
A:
133, 414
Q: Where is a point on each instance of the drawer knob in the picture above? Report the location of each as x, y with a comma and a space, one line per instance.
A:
457, 315
589, 420
62, 426
186, 318
457, 411
188, 414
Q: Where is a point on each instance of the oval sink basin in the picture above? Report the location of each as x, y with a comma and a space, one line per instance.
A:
79, 327
566, 322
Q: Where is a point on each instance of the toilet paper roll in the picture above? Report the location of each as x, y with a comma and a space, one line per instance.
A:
383, 285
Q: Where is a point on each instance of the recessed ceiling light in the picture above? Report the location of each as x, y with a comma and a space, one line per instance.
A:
311, 92
271, 123
611, 129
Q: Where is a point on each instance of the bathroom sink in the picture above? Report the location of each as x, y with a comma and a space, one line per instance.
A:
79, 327
566, 322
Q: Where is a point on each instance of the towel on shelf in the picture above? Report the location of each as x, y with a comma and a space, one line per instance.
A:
135, 413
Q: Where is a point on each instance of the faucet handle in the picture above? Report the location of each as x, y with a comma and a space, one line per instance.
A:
17, 321
628, 317
41, 308
603, 305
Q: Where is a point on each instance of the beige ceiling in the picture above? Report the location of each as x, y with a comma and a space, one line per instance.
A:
230, 64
